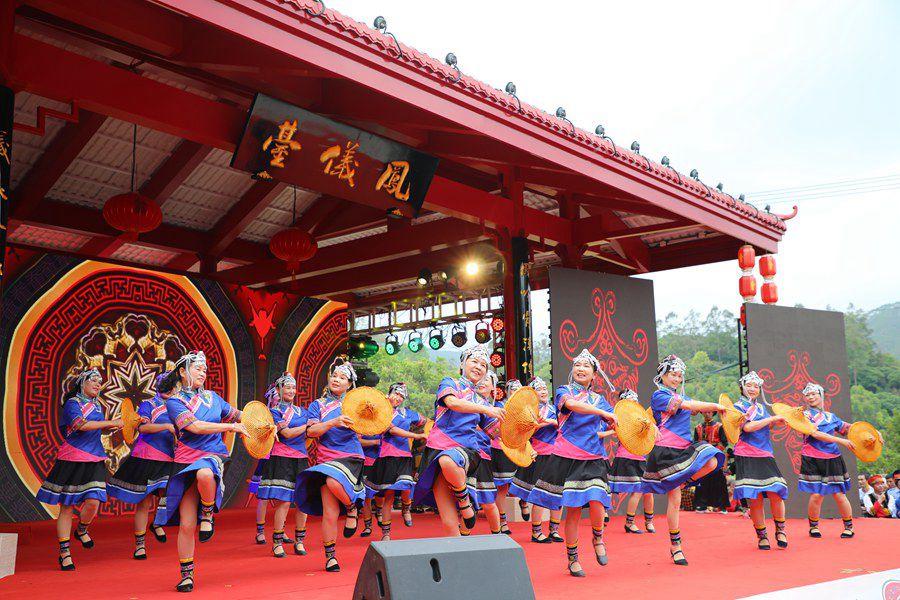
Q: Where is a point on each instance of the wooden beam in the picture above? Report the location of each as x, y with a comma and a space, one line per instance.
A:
369, 251
52, 163
632, 252
715, 248
159, 187
242, 213
590, 230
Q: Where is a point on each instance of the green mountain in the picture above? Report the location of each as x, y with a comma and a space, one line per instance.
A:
884, 322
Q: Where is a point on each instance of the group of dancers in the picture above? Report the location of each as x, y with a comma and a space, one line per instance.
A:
179, 458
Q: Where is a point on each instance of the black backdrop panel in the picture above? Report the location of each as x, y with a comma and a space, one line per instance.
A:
613, 317
789, 347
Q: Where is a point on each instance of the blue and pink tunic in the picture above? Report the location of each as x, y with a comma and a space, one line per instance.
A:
542, 441
394, 445
278, 474
675, 458
371, 453
756, 471
576, 472
147, 469
339, 456
195, 451
79, 472
454, 434
822, 468
393, 470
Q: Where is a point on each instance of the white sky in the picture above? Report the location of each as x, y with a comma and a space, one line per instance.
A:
759, 96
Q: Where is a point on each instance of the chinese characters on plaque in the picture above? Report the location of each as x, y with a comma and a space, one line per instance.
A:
7, 107
289, 144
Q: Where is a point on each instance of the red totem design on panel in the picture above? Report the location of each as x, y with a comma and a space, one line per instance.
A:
619, 359
790, 391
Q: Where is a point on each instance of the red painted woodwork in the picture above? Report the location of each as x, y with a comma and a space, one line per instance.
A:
747, 287
769, 293
132, 214
746, 258
767, 267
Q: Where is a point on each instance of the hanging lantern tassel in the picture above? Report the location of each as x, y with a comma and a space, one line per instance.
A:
747, 287
768, 270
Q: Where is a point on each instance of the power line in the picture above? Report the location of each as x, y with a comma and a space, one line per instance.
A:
825, 194
842, 183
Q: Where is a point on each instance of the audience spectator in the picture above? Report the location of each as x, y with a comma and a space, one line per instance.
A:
894, 492
864, 489
712, 492
876, 502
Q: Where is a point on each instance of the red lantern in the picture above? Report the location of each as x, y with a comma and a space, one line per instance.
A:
746, 258
132, 214
744, 315
747, 287
767, 266
769, 293
497, 359
497, 324
293, 246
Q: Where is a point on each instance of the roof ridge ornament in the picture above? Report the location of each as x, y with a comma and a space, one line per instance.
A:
380, 25
450, 59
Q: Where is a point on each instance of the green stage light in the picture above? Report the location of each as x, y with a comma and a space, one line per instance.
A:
436, 339
415, 342
391, 345
362, 348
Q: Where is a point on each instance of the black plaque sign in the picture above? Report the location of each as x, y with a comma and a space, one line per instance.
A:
292, 145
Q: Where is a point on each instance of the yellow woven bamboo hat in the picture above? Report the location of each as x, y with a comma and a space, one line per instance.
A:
867, 443
131, 421
794, 417
521, 420
521, 457
370, 410
257, 420
732, 419
635, 429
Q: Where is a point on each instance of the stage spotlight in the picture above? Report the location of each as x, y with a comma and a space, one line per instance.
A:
497, 359
636, 147
415, 342
363, 347
459, 337
366, 376
424, 278
471, 268
391, 345
436, 339
497, 324
443, 276
482, 333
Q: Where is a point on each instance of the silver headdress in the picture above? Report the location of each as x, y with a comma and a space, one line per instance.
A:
537, 384
346, 369
814, 387
513, 386
87, 375
284, 380
753, 377
626, 394
399, 388
587, 358
671, 363
196, 357
477, 352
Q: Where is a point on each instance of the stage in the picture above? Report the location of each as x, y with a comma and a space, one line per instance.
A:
721, 549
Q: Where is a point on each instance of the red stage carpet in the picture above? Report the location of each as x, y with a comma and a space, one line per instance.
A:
721, 549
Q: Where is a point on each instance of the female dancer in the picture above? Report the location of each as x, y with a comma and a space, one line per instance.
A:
262, 506
371, 445
542, 441
145, 473
78, 475
287, 459
195, 487
575, 474
335, 484
482, 481
502, 469
451, 450
393, 469
675, 460
822, 469
625, 478
757, 475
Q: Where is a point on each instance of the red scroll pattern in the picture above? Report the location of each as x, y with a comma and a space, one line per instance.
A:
790, 391
619, 359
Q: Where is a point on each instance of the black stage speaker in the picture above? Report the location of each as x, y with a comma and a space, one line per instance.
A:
479, 566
